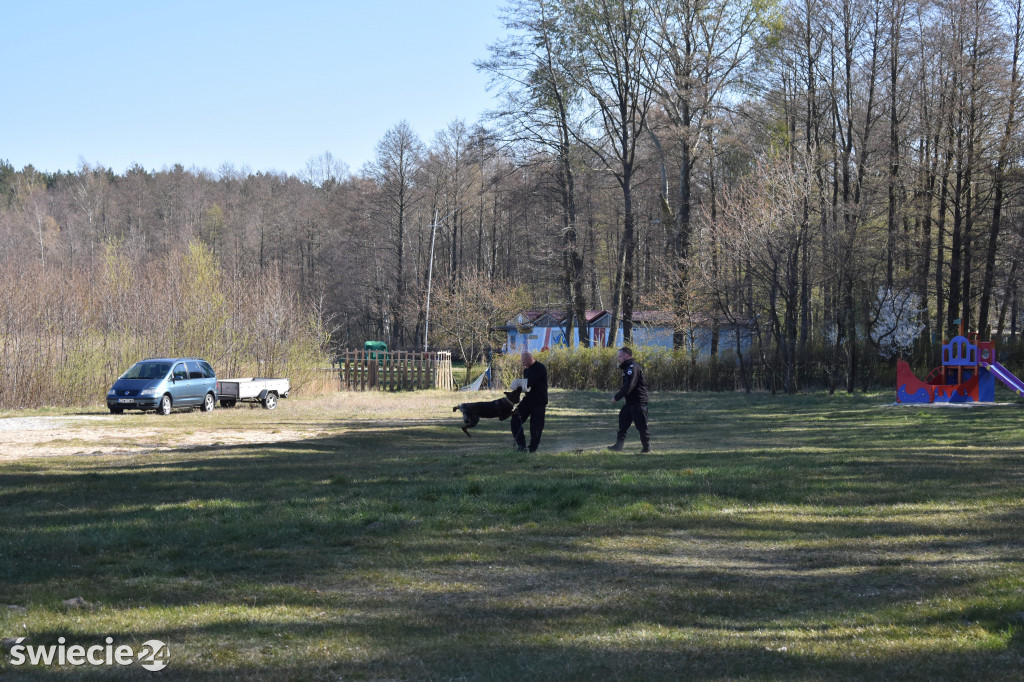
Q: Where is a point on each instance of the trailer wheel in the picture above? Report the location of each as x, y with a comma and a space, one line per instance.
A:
270, 402
227, 403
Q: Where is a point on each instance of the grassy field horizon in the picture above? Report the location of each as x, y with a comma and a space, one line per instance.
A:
792, 537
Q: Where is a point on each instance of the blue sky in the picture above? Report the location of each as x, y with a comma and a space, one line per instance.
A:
263, 85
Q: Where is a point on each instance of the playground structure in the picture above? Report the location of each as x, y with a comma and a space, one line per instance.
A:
967, 374
483, 381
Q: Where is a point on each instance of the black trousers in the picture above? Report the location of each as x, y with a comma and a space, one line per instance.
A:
533, 413
634, 413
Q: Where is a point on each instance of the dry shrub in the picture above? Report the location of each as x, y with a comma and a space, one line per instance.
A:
665, 369
581, 368
67, 334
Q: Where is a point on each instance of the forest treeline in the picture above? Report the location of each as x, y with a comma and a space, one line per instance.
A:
841, 177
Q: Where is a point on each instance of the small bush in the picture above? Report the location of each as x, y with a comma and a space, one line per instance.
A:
665, 369
581, 368
506, 368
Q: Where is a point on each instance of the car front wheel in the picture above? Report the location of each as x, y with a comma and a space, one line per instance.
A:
165, 405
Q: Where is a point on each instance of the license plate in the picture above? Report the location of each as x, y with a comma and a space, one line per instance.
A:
126, 400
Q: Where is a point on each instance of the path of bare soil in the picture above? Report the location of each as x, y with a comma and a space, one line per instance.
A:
296, 419
22, 437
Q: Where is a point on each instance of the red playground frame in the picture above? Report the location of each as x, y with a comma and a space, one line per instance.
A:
967, 374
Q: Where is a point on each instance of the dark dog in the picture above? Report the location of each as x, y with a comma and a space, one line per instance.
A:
500, 409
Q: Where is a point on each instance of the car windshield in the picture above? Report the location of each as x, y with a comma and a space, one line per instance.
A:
147, 370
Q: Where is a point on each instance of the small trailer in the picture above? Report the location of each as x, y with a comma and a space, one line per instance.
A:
264, 391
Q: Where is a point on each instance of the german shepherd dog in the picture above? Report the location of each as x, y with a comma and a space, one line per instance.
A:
500, 409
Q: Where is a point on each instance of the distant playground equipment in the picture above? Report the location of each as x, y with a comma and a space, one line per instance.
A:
968, 373
378, 350
482, 381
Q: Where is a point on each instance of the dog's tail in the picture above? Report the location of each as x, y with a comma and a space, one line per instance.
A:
457, 408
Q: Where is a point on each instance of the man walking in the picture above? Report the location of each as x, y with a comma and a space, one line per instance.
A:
533, 405
634, 411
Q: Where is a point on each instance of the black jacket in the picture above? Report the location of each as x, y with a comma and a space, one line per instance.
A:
536, 376
634, 387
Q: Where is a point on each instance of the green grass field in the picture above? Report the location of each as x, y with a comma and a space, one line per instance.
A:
808, 537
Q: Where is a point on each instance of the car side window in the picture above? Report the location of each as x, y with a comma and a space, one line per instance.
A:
207, 370
193, 370
179, 371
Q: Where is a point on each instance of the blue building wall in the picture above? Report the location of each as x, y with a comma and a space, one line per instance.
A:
540, 338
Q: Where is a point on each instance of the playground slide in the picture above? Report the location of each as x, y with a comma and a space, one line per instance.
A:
1006, 376
475, 386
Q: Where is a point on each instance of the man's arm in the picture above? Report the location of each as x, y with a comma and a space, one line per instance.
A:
629, 380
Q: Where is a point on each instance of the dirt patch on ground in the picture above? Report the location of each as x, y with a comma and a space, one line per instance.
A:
22, 437
95, 432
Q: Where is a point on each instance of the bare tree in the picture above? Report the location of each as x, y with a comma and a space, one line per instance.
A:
1007, 152
469, 317
531, 69
614, 40
399, 155
706, 48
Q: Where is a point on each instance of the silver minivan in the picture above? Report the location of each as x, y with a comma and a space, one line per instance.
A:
163, 384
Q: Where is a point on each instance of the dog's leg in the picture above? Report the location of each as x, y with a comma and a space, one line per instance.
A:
465, 430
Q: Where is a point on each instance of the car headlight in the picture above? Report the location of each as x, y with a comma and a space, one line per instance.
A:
148, 391
111, 392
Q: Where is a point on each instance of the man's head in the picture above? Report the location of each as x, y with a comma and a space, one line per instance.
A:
527, 359
625, 354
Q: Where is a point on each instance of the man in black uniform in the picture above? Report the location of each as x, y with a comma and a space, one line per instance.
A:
533, 405
634, 390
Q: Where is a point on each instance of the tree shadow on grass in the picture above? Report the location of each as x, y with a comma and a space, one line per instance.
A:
451, 560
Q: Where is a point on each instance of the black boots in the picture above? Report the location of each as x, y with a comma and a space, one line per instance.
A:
619, 444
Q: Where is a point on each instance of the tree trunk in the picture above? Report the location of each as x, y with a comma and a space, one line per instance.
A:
629, 251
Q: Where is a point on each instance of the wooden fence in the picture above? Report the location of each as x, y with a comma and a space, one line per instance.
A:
361, 370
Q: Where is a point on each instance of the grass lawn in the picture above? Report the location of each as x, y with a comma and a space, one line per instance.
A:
808, 537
